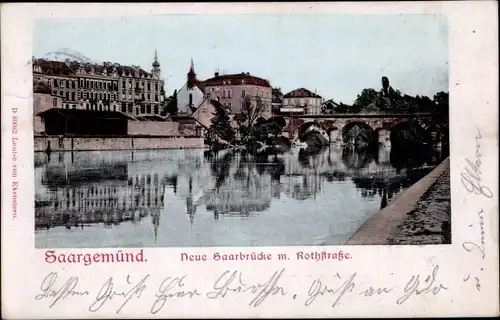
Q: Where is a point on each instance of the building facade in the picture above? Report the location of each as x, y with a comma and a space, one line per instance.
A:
231, 89
302, 101
191, 95
43, 100
106, 87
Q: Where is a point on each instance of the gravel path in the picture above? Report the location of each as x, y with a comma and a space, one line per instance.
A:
430, 221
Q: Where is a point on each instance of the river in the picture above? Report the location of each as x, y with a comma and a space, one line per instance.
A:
191, 197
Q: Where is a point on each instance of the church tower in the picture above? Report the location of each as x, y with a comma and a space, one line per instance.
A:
156, 67
191, 76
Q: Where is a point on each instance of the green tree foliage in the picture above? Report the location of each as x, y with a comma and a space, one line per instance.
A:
441, 100
366, 98
220, 128
170, 104
390, 100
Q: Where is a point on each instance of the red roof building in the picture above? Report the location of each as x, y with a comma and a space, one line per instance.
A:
304, 100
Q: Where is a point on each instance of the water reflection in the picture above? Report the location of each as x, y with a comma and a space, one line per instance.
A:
82, 189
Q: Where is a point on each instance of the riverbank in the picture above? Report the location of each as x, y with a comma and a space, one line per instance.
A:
102, 143
419, 215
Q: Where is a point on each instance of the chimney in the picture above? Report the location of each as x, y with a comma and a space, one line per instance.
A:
216, 74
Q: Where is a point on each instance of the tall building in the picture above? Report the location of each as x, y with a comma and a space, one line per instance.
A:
231, 89
228, 89
103, 87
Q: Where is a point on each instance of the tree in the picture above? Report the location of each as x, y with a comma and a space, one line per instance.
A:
220, 127
170, 106
441, 99
365, 98
252, 109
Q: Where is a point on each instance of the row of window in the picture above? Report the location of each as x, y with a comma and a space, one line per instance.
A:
74, 96
104, 96
227, 93
124, 107
302, 101
101, 85
141, 85
143, 97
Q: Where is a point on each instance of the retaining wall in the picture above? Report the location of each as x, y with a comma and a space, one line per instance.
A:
378, 229
116, 143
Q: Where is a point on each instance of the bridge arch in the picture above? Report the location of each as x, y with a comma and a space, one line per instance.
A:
357, 133
407, 131
307, 126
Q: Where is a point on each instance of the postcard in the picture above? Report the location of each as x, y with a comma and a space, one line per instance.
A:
198, 160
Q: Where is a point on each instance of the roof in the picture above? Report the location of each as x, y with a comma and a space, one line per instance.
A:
71, 67
331, 102
151, 118
41, 87
301, 93
85, 114
237, 79
218, 105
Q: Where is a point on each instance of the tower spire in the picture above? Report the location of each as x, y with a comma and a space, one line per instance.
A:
191, 76
156, 66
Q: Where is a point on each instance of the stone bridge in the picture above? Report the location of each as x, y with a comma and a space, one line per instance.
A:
335, 127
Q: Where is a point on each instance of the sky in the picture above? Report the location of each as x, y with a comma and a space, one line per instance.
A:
336, 55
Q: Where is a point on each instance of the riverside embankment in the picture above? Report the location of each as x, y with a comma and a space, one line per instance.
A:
132, 142
419, 215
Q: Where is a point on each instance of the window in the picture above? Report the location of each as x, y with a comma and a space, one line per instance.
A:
124, 107
87, 106
156, 109
143, 109
149, 85
149, 96
243, 93
223, 93
62, 83
54, 102
148, 109
73, 96
156, 86
156, 98
130, 108
229, 93
190, 99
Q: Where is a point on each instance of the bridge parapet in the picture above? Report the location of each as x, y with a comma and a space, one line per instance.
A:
333, 126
